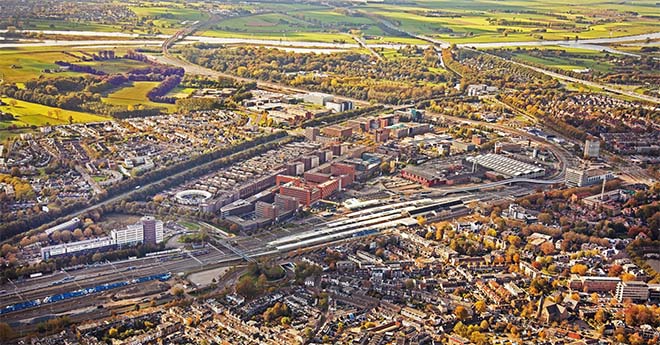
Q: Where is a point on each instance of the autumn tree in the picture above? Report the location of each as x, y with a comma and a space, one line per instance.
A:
547, 248
545, 218
461, 313
480, 306
579, 269
614, 270
6, 332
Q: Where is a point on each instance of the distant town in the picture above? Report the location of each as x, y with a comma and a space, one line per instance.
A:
333, 172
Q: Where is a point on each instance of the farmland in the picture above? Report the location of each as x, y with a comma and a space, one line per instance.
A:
483, 21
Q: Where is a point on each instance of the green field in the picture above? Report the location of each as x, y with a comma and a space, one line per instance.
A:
170, 17
115, 66
19, 65
136, 95
181, 92
32, 114
487, 21
453, 21
570, 59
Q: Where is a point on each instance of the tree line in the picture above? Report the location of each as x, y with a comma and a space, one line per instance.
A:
350, 74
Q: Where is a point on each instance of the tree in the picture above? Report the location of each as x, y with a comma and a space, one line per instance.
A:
545, 218
484, 325
579, 269
246, 287
439, 233
177, 291
77, 234
478, 338
385, 167
6, 332
547, 248
626, 277
600, 316
66, 236
461, 313
112, 333
614, 270
97, 257
409, 284
480, 306
514, 240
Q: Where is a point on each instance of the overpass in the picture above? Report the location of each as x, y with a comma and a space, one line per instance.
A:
495, 184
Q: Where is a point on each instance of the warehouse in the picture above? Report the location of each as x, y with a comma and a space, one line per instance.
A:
507, 166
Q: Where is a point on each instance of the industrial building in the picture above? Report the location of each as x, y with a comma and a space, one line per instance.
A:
443, 172
338, 107
507, 166
317, 98
79, 247
579, 177
68, 225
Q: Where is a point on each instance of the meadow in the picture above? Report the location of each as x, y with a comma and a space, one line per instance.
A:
18, 65
136, 95
32, 114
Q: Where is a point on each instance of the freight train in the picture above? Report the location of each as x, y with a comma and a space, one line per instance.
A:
82, 292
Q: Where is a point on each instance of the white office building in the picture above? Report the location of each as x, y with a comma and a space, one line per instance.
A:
148, 230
